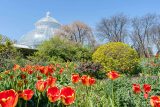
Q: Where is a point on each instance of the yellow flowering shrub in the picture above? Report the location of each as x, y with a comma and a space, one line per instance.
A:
116, 56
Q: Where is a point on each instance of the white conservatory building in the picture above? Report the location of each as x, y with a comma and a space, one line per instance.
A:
44, 30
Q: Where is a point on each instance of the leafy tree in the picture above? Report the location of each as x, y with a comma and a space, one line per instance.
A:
63, 50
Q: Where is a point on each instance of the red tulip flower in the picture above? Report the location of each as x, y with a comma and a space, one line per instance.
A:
113, 75
27, 94
43, 70
53, 94
39, 77
23, 69
92, 81
61, 70
75, 78
23, 76
41, 85
85, 80
136, 88
155, 101
67, 95
16, 66
30, 72
51, 81
11, 77
49, 68
58, 65
145, 95
8, 98
147, 88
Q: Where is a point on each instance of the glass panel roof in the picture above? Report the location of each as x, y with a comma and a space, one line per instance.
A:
44, 29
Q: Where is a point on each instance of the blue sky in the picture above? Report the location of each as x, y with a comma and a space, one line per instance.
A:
17, 17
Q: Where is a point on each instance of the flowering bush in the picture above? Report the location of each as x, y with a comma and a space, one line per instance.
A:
92, 69
117, 56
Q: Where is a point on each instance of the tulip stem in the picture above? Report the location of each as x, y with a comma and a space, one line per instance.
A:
19, 103
48, 104
26, 104
38, 102
112, 92
38, 99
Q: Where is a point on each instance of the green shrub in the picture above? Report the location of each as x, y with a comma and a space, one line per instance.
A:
7, 53
61, 50
151, 66
116, 56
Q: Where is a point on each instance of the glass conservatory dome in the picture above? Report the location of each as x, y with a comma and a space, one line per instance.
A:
44, 30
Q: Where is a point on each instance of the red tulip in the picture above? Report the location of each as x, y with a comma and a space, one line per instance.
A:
46, 70
92, 81
58, 65
155, 101
147, 88
8, 98
30, 71
50, 68
136, 88
23, 76
41, 85
16, 66
43, 70
61, 70
11, 77
53, 94
27, 94
85, 80
23, 69
75, 78
113, 75
145, 95
51, 81
67, 95
39, 77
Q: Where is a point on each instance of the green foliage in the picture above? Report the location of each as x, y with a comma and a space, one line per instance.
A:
61, 50
151, 66
7, 53
117, 56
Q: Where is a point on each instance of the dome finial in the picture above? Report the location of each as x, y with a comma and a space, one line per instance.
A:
48, 14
